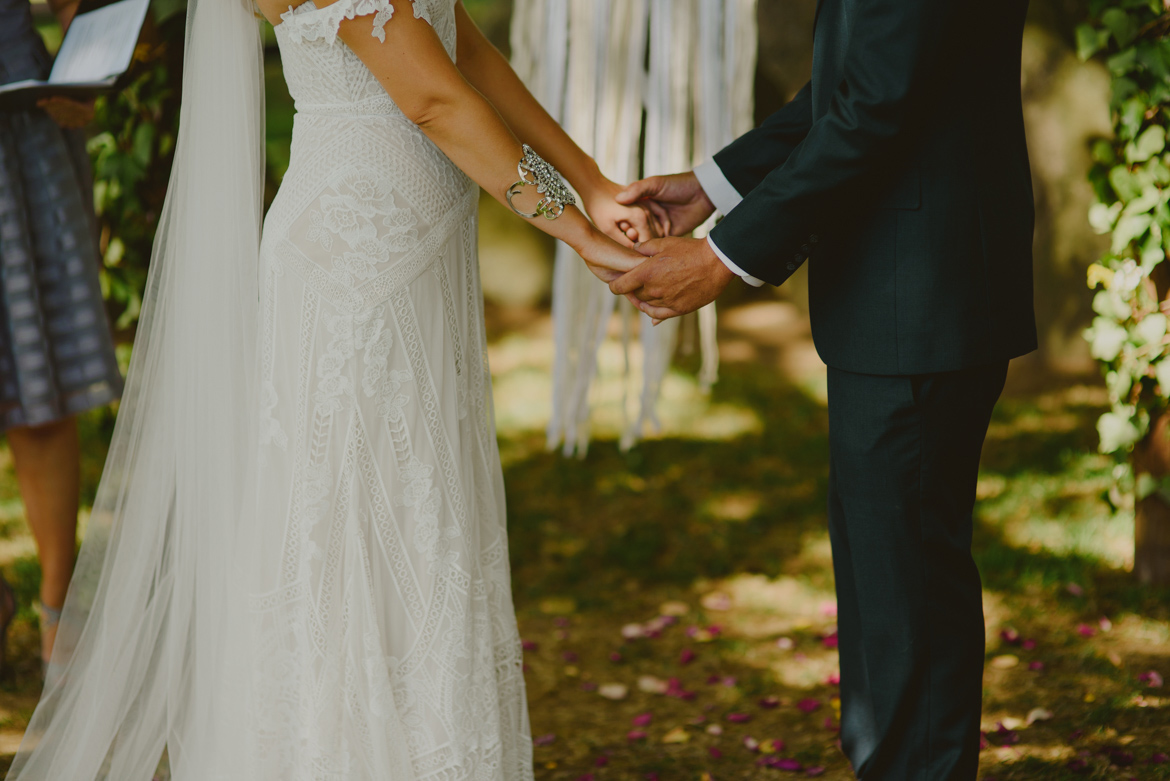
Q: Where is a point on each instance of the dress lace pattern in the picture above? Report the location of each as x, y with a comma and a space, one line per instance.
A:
391, 648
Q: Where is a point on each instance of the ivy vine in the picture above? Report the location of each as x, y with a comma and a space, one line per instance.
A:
1131, 180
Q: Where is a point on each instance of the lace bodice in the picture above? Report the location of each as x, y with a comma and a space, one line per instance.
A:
326, 77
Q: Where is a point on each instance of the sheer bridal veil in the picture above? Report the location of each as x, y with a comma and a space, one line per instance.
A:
151, 647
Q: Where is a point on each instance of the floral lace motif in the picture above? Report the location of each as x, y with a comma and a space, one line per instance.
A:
315, 24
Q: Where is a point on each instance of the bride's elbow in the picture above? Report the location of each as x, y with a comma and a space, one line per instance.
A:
429, 110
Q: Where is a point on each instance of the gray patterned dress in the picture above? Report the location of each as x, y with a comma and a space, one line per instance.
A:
56, 352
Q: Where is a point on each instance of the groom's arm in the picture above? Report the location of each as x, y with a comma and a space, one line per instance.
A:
740, 166
894, 44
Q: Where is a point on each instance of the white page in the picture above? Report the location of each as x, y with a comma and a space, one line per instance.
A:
100, 43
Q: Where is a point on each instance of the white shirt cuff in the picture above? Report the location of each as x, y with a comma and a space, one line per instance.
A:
746, 277
721, 192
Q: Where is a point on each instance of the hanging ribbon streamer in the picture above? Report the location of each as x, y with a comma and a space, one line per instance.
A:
606, 69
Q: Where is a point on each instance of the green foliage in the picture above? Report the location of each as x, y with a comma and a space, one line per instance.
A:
131, 152
1131, 178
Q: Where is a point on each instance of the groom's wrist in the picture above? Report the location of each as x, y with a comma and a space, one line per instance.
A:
719, 191
732, 266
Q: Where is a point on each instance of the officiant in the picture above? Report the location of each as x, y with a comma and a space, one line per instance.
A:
56, 350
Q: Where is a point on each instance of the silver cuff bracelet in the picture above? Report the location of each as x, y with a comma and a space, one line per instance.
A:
548, 183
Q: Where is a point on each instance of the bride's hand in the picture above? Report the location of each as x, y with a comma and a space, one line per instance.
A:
626, 224
607, 259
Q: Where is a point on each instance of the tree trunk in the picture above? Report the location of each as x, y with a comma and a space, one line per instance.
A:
1151, 554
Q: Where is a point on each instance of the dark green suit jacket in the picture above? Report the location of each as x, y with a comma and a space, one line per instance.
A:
900, 173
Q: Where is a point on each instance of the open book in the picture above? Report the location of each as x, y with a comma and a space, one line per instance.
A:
96, 51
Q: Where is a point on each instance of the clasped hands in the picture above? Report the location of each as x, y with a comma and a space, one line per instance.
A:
679, 275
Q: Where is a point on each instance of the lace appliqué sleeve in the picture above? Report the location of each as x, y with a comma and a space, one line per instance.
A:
306, 22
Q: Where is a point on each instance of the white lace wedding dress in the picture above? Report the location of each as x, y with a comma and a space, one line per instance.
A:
392, 650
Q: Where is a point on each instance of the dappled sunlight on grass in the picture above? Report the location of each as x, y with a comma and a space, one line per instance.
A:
734, 528
522, 367
677, 600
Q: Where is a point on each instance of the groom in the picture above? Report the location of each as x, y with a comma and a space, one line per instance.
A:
900, 174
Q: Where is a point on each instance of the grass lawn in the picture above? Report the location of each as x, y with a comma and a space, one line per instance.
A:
676, 601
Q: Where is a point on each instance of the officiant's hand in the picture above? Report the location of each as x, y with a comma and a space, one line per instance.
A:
677, 202
67, 112
681, 276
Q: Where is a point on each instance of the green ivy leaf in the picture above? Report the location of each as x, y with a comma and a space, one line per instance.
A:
1146, 485
1152, 329
1124, 183
1149, 143
1162, 374
1129, 228
1090, 41
1122, 26
1105, 339
1102, 218
1108, 304
1118, 429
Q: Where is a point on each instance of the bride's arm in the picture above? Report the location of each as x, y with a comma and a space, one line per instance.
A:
489, 72
420, 77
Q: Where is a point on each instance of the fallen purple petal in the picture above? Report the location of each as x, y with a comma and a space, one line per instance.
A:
544, 740
808, 705
1152, 679
769, 702
739, 718
715, 752
642, 719
686, 657
601, 761
529, 645
636, 734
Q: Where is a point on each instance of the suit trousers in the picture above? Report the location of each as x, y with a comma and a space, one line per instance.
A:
903, 466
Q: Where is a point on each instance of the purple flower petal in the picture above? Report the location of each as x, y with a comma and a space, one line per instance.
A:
642, 719
808, 705
635, 734
529, 645
739, 718
544, 740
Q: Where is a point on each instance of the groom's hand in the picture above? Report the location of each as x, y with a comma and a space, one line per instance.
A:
681, 276
677, 202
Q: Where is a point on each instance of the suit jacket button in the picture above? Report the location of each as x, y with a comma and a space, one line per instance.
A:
813, 239
792, 267
798, 258
806, 250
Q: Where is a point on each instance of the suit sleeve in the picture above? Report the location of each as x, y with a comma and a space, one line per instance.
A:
751, 157
891, 48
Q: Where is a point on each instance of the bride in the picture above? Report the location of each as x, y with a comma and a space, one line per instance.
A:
297, 566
